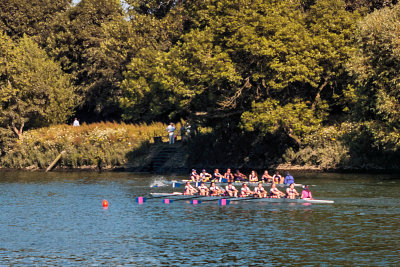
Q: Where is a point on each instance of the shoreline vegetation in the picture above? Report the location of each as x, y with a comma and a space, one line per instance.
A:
264, 84
110, 146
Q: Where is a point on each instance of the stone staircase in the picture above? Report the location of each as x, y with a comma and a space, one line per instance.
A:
156, 164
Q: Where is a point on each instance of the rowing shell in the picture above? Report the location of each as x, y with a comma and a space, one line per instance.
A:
215, 198
234, 183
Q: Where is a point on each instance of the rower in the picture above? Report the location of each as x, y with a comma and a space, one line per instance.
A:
239, 177
253, 177
288, 179
306, 193
189, 189
231, 191
259, 191
215, 190
204, 176
229, 176
217, 176
278, 179
245, 191
194, 177
274, 192
266, 177
291, 193
203, 189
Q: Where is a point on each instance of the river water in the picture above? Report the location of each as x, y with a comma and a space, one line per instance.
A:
58, 219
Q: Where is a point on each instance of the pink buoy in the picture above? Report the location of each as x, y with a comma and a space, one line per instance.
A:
140, 200
223, 202
166, 201
195, 202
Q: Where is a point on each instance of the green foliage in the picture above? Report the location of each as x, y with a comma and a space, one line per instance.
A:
297, 120
30, 17
238, 51
34, 90
92, 42
377, 87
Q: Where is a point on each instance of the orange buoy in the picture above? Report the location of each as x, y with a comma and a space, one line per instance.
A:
105, 203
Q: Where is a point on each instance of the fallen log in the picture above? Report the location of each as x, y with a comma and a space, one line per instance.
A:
55, 161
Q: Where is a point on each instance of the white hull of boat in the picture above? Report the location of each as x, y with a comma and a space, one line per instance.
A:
212, 198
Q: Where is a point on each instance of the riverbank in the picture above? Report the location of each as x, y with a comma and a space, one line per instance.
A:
144, 148
89, 146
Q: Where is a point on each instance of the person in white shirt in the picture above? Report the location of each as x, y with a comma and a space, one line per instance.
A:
259, 191
76, 122
171, 133
189, 189
231, 190
245, 191
204, 191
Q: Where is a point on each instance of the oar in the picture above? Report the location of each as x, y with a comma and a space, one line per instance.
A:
187, 198
165, 196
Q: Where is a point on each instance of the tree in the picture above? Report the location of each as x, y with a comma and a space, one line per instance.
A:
375, 67
91, 41
30, 17
239, 51
34, 90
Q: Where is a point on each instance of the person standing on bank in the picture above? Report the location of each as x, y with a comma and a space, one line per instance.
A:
171, 133
76, 122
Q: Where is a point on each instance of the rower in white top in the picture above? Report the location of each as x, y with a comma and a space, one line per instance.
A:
203, 190
231, 191
189, 189
245, 191
291, 192
274, 192
215, 190
259, 191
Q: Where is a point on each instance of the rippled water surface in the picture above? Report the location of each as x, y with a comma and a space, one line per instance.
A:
58, 219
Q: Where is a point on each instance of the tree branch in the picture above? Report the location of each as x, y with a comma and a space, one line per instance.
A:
320, 88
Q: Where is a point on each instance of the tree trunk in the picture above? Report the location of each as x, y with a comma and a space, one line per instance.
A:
318, 96
19, 131
289, 132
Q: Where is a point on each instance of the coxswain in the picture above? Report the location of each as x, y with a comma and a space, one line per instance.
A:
239, 177
306, 193
229, 176
253, 178
245, 191
288, 179
274, 192
259, 191
194, 177
291, 192
231, 191
203, 189
266, 177
204, 176
215, 190
217, 176
278, 179
189, 189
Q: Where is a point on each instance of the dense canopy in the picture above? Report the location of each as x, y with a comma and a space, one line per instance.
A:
313, 78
